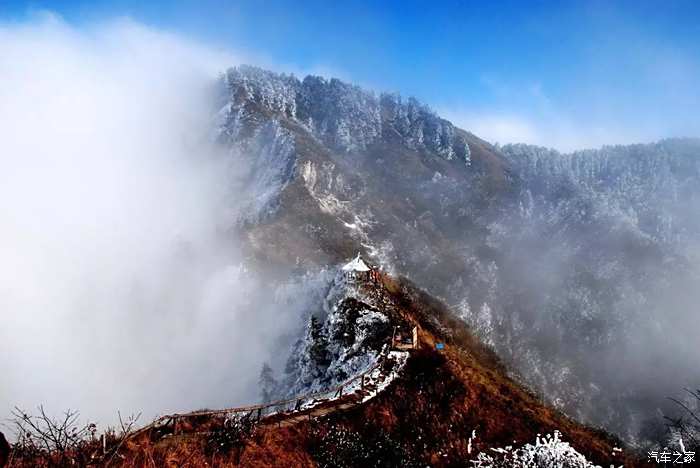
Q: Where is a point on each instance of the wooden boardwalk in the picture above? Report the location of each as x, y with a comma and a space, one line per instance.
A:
293, 410
281, 413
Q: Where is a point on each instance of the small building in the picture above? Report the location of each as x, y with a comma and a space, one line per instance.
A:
404, 339
358, 270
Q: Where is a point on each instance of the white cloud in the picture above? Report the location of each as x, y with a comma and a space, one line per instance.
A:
549, 128
623, 95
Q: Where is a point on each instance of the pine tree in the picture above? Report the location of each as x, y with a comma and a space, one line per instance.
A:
268, 384
343, 327
317, 342
313, 360
291, 368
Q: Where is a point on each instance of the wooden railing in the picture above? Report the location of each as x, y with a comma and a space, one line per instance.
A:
290, 406
261, 411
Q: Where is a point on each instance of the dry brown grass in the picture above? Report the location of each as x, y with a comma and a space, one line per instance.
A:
425, 417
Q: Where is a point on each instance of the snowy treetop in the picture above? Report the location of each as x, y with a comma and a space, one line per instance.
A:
345, 116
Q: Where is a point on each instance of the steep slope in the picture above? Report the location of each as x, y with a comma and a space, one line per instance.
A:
444, 407
565, 264
357, 161
603, 252
448, 406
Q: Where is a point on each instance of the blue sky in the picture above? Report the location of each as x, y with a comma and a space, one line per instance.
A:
562, 74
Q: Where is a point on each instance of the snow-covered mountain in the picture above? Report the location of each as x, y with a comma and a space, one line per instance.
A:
342, 116
577, 269
602, 253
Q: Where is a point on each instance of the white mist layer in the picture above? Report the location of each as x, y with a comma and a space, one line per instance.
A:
118, 287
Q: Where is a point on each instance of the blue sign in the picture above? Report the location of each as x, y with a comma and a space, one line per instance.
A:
439, 345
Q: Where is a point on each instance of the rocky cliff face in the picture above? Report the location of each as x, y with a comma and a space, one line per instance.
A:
575, 268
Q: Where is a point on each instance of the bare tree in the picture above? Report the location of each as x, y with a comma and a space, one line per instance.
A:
56, 441
687, 424
126, 427
47, 441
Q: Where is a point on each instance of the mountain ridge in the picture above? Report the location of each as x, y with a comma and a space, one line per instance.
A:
345, 116
446, 405
514, 235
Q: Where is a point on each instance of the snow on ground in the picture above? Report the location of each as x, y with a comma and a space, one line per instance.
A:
382, 382
375, 378
547, 452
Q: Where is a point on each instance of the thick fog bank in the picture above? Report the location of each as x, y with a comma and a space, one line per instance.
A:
121, 284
